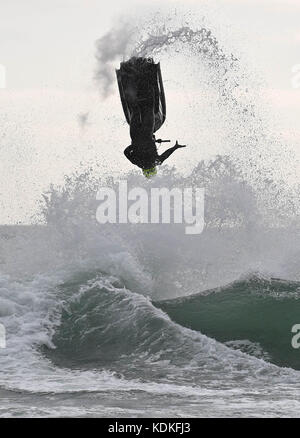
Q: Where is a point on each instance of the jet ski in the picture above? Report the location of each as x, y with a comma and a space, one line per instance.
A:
140, 83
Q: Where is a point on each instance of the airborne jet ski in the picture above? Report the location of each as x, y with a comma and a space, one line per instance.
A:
144, 105
139, 79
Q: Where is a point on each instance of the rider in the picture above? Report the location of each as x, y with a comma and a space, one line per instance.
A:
143, 152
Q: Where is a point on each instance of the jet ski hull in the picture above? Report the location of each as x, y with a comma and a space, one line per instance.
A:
140, 83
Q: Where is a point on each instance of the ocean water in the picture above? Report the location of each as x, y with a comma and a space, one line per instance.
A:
137, 320
144, 320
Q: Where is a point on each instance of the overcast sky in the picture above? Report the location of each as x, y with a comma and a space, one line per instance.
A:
48, 51
51, 44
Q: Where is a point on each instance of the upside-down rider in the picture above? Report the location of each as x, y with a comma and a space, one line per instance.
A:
143, 151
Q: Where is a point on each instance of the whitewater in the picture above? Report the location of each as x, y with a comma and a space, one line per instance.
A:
137, 320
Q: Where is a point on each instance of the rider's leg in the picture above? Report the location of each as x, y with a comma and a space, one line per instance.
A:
143, 120
135, 124
148, 117
148, 121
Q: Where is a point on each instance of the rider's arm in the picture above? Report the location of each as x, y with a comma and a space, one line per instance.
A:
128, 152
169, 152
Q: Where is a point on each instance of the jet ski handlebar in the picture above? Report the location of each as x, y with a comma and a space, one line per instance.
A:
159, 140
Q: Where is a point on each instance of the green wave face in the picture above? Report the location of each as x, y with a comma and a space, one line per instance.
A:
260, 311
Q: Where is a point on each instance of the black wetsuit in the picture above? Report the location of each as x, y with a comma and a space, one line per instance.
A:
143, 152
145, 156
